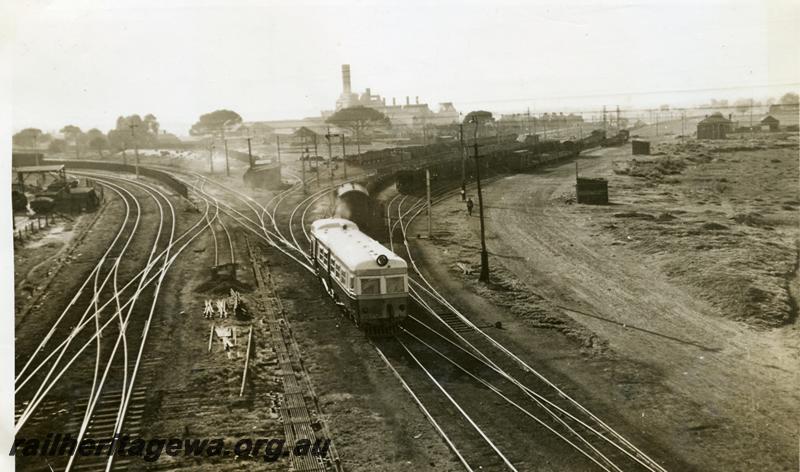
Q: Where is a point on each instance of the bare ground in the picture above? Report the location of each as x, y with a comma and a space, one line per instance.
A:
679, 329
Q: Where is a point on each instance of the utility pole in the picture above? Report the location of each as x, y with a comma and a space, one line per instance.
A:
528, 121
604, 119
618, 125
430, 215
316, 158
249, 153
278, 138
36, 149
133, 127
484, 276
683, 126
656, 122
227, 166
463, 156
344, 156
303, 158
328, 136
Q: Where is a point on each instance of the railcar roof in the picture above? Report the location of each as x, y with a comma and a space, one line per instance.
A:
356, 250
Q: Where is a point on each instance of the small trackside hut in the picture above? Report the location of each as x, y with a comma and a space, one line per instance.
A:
366, 279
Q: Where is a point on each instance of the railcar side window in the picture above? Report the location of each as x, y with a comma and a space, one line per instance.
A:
371, 286
395, 284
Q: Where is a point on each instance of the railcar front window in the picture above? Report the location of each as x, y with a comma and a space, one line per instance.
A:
395, 284
371, 286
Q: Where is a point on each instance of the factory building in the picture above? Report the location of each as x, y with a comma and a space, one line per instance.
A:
409, 114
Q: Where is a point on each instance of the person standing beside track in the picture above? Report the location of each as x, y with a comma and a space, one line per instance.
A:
470, 205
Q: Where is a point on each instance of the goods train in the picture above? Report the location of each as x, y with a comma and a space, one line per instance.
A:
369, 281
510, 156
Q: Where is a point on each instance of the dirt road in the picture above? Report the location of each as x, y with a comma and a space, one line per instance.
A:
746, 379
722, 395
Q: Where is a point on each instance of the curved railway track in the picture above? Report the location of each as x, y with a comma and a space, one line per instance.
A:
563, 416
116, 321
442, 331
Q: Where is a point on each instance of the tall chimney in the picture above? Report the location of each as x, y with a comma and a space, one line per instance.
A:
346, 80
369, 93
416, 100
407, 102
394, 101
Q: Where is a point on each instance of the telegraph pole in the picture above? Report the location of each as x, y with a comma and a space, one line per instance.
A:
328, 136
430, 215
605, 128
344, 157
303, 158
683, 125
249, 152
463, 156
484, 277
656, 122
36, 148
528, 121
227, 166
133, 127
316, 158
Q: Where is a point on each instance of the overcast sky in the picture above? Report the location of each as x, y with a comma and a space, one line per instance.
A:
85, 62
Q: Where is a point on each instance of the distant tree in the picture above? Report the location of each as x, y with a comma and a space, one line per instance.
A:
27, 137
482, 117
215, 122
97, 141
76, 136
770, 101
151, 124
132, 131
483, 120
790, 98
359, 120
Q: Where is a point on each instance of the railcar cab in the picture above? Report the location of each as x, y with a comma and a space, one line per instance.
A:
368, 279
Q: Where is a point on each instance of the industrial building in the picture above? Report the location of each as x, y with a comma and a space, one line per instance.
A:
409, 114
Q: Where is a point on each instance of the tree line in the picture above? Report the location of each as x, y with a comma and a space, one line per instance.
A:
130, 131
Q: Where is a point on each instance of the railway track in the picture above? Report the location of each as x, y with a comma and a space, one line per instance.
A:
60, 385
445, 327
440, 330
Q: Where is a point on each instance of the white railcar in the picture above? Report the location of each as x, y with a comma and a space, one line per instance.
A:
367, 278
